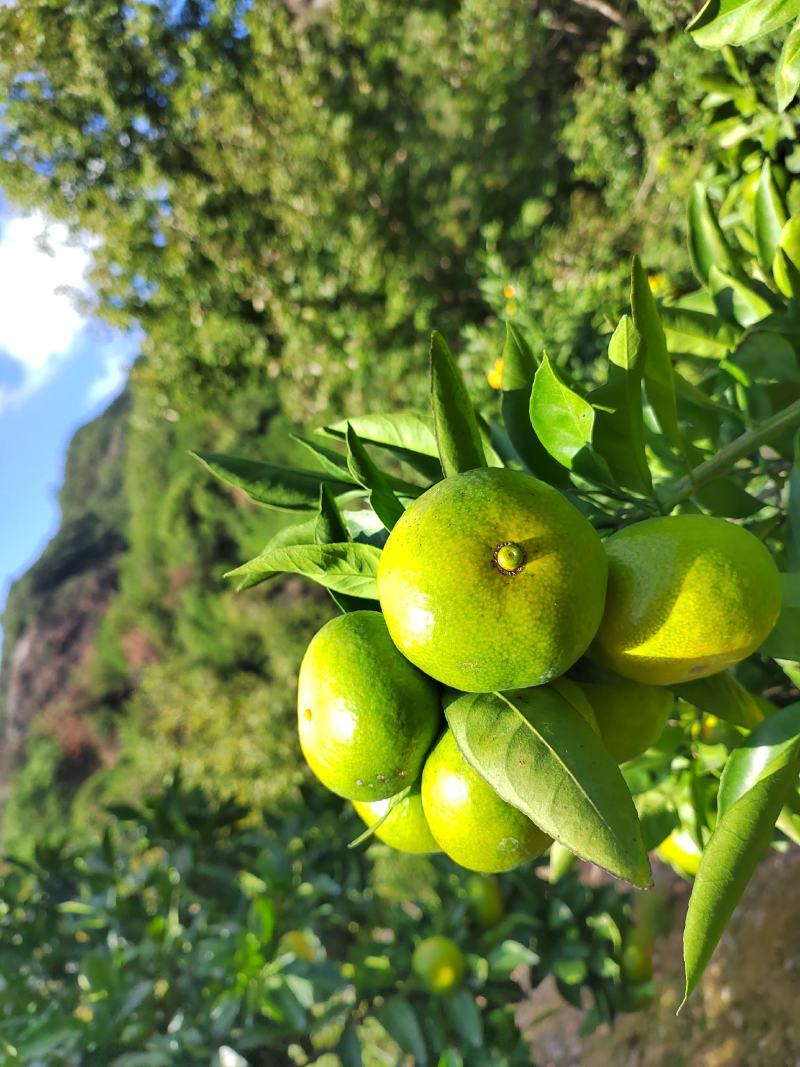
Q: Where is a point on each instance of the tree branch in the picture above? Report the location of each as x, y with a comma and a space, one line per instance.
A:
730, 455
607, 11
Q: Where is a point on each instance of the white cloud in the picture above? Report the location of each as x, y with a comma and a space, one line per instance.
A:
39, 322
116, 363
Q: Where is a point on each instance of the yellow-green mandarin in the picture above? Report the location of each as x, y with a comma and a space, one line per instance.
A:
366, 716
688, 596
440, 963
485, 898
630, 716
469, 821
492, 580
404, 828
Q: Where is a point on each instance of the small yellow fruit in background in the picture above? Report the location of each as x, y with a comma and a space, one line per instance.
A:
439, 963
492, 580
405, 827
688, 596
366, 716
681, 853
470, 822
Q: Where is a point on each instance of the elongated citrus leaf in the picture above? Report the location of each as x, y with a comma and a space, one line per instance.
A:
345, 568
721, 695
722, 22
301, 533
707, 243
397, 1016
564, 422
786, 264
741, 836
408, 435
738, 301
349, 1047
787, 71
539, 754
330, 528
784, 641
333, 463
770, 217
697, 333
519, 370
619, 421
381, 497
771, 740
458, 437
793, 510
284, 488
659, 380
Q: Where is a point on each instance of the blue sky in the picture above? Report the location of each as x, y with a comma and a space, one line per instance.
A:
58, 369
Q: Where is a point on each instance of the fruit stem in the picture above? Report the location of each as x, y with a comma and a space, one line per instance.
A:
730, 455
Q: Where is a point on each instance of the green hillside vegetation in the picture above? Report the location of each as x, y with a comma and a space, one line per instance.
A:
286, 247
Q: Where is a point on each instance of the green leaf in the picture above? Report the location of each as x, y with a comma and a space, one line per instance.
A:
563, 421
659, 380
721, 695
458, 437
696, 333
519, 370
707, 243
539, 754
787, 72
770, 217
784, 641
406, 435
399, 1019
767, 357
284, 488
793, 510
329, 526
333, 463
619, 422
786, 265
344, 568
739, 301
381, 498
725, 496
464, 1018
301, 533
771, 740
657, 816
744, 829
349, 1047
723, 22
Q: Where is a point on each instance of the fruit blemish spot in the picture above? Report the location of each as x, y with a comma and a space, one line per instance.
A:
308, 715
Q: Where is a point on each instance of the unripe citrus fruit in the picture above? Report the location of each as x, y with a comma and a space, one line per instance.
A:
630, 716
492, 580
681, 853
470, 822
440, 963
404, 828
484, 898
366, 716
688, 596
636, 963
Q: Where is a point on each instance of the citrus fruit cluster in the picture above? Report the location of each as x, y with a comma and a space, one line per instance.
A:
492, 581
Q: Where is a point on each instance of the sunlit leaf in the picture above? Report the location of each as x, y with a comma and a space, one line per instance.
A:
539, 754
458, 437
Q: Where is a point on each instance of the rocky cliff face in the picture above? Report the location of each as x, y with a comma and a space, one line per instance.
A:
54, 610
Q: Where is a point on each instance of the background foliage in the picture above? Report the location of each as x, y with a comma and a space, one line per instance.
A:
287, 198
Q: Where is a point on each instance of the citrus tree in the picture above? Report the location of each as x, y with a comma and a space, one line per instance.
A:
193, 932
592, 575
